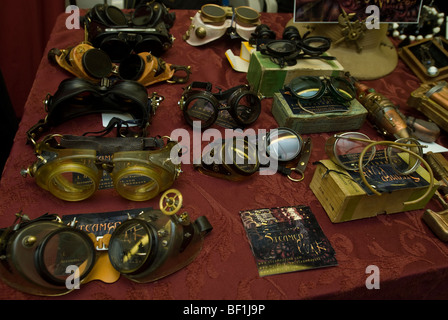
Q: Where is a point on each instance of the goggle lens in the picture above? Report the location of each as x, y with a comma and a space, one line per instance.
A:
283, 144
65, 181
202, 110
247, 109
306, 87
64, 249
136, 186
343, 88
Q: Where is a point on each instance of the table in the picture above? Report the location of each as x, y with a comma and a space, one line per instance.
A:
412, 262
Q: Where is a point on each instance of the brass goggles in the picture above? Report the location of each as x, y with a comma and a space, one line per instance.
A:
212, 22
50, 256
238, 158
72, 168
308, 88
93, 64
353, 151
198, 103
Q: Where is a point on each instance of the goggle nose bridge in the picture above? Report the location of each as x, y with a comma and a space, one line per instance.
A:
104, 164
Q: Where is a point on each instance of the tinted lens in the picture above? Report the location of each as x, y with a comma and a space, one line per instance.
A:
345, 150
283, 144
246, 15
214, 12
116, 49
281, 48
402, 161
246, 108
343, 88
200, 109
150, 44
306, 87
115, 15
132, 67
97, 63
142, 15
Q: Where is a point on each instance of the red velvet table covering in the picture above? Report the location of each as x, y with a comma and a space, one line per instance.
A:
413, 262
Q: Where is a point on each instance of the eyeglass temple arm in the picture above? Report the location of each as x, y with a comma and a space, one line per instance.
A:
427, 166
399, 144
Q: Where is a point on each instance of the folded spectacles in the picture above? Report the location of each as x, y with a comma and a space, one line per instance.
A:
353, 151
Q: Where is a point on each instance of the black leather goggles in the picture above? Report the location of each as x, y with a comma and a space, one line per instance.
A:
78, 97
292, 47
146, 29
198, 103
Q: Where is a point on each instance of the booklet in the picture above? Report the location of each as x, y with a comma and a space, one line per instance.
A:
287, 239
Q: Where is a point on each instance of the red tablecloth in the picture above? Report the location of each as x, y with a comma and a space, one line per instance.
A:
412, 261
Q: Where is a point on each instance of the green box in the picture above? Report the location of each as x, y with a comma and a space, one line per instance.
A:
289, 115
266, 77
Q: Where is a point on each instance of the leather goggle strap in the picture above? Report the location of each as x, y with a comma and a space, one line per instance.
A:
33, 134
106, 145
207, 86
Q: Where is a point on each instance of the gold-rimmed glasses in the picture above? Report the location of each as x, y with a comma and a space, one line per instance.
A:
354, 150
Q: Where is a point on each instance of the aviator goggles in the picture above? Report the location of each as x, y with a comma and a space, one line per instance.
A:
198, 103
78, 97
46, 255
354, 151
71, 167
238, 158
212, 22
307, 88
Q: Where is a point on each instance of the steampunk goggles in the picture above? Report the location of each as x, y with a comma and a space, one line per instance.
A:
93, 64
238, 158
213, 21
48, 255
312, 88
198, 103
71, 167
78, 97
146, 29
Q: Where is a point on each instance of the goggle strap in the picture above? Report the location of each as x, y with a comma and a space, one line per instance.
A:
109, 145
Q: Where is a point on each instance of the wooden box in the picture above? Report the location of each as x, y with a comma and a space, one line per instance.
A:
343, 199
288, 114
266, 77
412, 56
